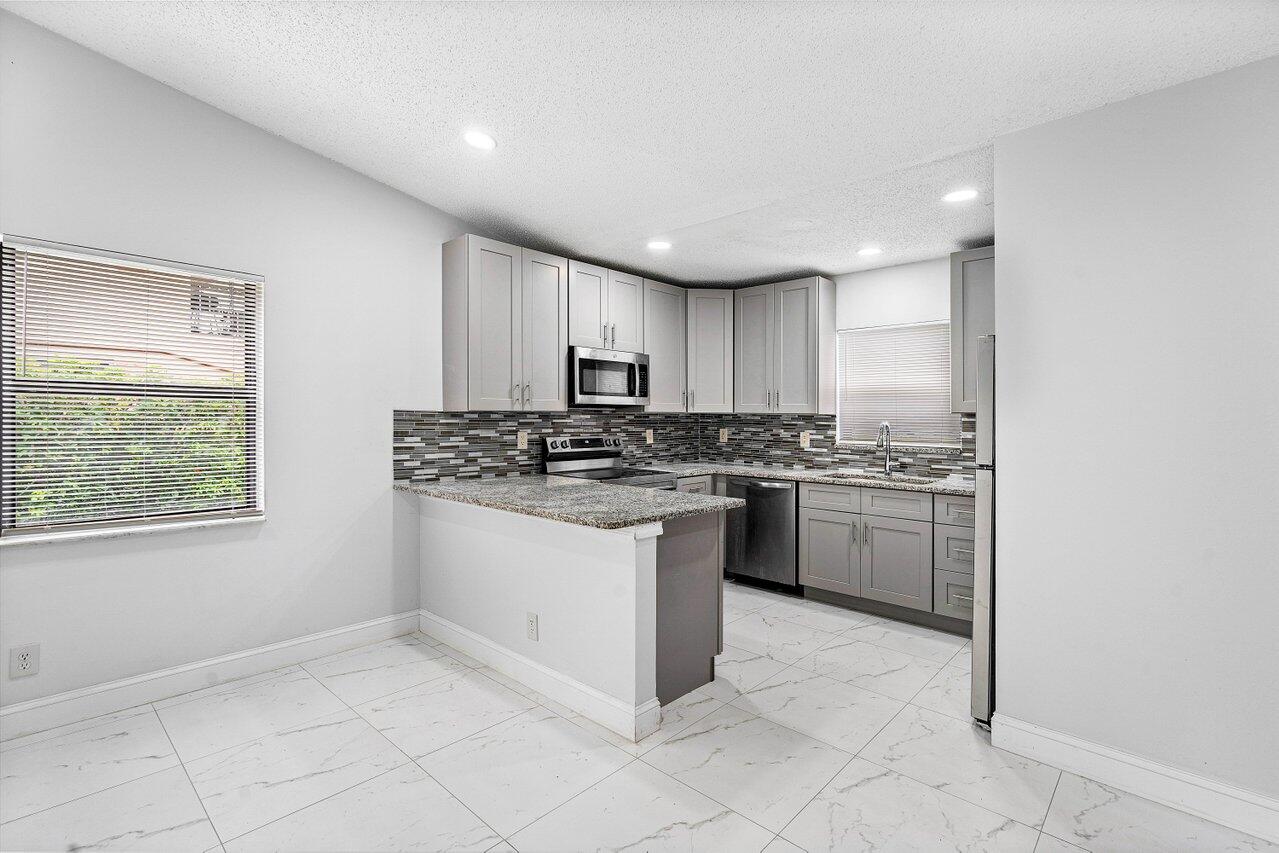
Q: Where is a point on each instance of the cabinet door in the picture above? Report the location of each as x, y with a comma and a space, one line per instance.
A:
664, 329
753, 330
695, 485
710, 350
545, 332
625, 312
897, 561
972, 314
830, 550
587, 305
795, 347
494, 345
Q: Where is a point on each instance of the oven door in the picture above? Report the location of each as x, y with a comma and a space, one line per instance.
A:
608, 378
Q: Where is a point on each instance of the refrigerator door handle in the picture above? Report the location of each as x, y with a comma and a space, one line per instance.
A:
985, 400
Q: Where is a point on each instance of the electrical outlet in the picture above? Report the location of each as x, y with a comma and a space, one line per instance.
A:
521, 439
648, 436
723, 436
530, 626
805, 438
24, 660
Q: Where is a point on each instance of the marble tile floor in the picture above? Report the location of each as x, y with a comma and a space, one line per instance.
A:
825, 729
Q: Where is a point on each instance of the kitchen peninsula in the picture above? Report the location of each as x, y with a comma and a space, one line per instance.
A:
604, 598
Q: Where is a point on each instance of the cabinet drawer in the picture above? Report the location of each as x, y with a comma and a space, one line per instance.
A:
954, 509
695, 485
953, 548
916, 506
953, 595
838, 498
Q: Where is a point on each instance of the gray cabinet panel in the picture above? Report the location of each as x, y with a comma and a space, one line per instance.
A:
625, 312
664, 333
830, 550
588, 305
753, 347
695, 485
795, 345
710, 350
545, 332
953, 548
953, 595
822, 496
898, 504
495, 324
954, 509
897, 561
972, 314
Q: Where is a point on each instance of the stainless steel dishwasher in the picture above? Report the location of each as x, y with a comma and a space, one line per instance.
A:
760, 539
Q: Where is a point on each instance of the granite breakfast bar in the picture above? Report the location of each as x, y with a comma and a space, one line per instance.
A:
605, 598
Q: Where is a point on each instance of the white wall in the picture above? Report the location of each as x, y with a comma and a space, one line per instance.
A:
889, 296
1138, 426
94, 154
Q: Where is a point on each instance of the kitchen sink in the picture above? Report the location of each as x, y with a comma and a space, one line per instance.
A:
879, 476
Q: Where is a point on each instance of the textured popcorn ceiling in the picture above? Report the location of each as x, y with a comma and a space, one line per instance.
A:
760, 139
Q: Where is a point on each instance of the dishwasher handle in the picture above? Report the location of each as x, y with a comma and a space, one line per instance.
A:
760, 484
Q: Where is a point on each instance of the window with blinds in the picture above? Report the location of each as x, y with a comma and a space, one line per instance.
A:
131, 391
899, 374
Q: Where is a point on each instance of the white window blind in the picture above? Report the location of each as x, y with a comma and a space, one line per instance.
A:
131, 391
899, 374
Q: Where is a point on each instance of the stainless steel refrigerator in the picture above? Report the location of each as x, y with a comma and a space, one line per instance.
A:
983, 689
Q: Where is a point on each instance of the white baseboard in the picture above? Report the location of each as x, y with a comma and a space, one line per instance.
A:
73, 706
1237, 808
633, 723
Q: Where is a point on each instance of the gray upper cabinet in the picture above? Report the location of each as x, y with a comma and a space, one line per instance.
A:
588, 305
972, 314
784, 347
710, 350
664, 332
545, 331
830, 550
753, 330
897, 561
505, 321
625, 312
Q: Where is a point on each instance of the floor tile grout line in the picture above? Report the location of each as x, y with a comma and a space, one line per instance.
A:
187, 773
91, 794
414, 761
5, 749
1049, 808
611, 774
699, 791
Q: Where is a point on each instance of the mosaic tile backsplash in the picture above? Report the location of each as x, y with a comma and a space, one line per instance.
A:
445, 445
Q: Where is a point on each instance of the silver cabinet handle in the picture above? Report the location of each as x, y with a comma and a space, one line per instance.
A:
959, 597
683, 399
515, 395
854, 527
969, 512
527, 395
691, 404
613, 336
968, 551
605, 338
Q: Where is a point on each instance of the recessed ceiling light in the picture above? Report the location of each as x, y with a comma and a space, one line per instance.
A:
658, 245
960, 195
479, 139
869, 250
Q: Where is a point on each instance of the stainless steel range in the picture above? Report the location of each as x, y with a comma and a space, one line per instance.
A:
599, 457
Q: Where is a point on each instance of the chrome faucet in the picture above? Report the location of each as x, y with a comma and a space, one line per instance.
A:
885, 440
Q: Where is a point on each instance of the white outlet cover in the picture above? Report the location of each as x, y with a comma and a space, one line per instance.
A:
24, 660
805, 438
521, 439
723, 436
648, 436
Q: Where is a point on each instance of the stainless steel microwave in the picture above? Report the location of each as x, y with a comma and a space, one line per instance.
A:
605, 377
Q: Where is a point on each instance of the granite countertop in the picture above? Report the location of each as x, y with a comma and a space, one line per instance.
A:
955, 484
574, 501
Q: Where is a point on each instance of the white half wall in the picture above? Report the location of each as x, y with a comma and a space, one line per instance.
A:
1138, 355
891, 296
95, 154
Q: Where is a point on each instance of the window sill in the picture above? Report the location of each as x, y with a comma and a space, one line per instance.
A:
935, 449
117, 532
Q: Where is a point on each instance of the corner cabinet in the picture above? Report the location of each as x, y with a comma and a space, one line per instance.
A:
606, 308
972, 314
664, 329
505, 325
710, 350
784, 347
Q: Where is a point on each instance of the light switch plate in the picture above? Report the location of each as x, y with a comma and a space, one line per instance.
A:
521, 439
805, 438
723, 436
648, 436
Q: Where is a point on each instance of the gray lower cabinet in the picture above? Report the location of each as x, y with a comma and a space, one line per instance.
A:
953, 594
695, 485
897, 561
953, 548
830, 550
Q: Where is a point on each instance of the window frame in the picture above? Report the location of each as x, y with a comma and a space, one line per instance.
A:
903, 443
254, 509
